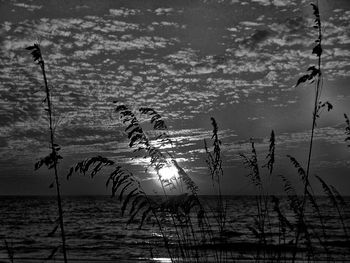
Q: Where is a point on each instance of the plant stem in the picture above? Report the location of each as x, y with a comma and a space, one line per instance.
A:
59, 202
314, 117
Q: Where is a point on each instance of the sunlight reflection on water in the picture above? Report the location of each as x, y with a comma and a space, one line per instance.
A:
162, 260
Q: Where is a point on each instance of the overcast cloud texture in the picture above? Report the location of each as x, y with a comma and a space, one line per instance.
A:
236, 61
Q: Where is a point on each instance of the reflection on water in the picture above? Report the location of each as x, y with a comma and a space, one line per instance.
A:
97, 232
162, 260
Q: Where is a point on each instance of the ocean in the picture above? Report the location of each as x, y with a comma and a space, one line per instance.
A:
96, 231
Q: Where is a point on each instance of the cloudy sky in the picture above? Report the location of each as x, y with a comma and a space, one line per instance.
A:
237, 61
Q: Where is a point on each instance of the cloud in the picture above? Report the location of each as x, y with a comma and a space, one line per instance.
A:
30, 8
277, 3
249, 24
123, 12
259, 36
286, 142
81, 7
5, 26
331, 135
163, 11
112, 54
263, 2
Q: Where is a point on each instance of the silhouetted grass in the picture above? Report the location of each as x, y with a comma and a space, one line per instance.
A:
347, 128
51, 161
192, 235
179, 209
186, 244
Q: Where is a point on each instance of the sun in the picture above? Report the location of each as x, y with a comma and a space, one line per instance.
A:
168, 172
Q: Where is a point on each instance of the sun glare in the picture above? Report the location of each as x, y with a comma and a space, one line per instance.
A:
168, 172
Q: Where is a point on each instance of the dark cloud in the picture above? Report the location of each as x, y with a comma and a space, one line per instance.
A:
3, 142
296, 24
259, 36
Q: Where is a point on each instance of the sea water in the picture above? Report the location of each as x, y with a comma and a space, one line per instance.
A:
97, 232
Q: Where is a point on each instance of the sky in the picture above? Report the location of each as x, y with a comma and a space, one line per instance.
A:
236, 61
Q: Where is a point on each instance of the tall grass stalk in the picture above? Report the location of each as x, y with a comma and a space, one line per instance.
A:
318, 51
214, 163
315, 73
52, 159
347, 128
262, 198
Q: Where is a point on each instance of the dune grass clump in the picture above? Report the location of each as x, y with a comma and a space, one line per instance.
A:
187, 214
193, 231
179, 203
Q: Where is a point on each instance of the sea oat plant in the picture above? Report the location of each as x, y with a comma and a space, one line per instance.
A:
181, 207
51, 161
179, 204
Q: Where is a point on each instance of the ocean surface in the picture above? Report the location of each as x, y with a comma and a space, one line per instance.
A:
96, 231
